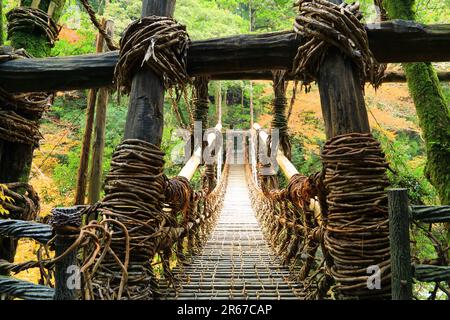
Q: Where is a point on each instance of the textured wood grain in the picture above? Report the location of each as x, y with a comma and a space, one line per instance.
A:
400, 249
145, 118
393, 41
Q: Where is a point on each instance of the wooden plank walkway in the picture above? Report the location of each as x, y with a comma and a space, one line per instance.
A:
236, 262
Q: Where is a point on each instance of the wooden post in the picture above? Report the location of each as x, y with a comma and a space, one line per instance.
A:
341, 96
145, 119
95, 179
80, 191
67, 274
86, 144
400, 247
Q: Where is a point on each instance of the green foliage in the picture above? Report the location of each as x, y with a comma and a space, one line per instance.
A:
400, 153
85, 45
266, 15
36, 45
204, 19
65, 174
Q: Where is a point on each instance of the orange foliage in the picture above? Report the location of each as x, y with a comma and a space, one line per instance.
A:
69, 35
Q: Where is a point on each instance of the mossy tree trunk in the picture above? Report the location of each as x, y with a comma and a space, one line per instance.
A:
16, 158
1, 22
432, 110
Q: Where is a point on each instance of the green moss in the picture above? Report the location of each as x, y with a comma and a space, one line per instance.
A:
44, 4
34, 44
434, 119
400, 9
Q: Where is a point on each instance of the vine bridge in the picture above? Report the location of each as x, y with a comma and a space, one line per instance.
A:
248, 231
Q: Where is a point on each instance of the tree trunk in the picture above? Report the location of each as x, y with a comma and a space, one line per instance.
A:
16, 158
86, 145
1, 22
80, 192
432, 110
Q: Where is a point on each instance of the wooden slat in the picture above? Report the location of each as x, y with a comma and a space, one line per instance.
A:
394, 41
389, 77
25, 290
431, 214
429, 273
195, 160
26, 229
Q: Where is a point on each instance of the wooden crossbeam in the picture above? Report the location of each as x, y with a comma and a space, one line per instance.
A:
393, 41
389, 77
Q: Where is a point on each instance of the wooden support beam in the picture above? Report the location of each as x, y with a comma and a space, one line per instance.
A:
341, 97
145, 118
400, 248
80, 191
195, 160
430, 273
267, 75
393, 41
431, 214
67, 274
286, 166
98, 147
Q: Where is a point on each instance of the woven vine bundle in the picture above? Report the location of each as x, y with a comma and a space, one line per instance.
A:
134, 196
32, 19
357, 230
159, 43
323, 25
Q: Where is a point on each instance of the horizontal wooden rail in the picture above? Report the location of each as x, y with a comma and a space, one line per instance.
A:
430, 214
25, 290
388, 77
429, 273
286, 166
400, 216
195, 160
26, 229
289, 170
391, 41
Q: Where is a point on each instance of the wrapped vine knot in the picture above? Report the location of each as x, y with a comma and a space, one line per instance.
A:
357, 230
279, 120
132, 210
15, 128
31, 19
323, 24
66, 217
25, 204
29, 105
301, 190
178, 194
160, 43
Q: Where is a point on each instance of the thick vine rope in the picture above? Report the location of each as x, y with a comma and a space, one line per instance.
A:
357, 230
161, 44
292, 229
24, 205
133, 208
15, 128
279, 120
91, 12
19, 112
31, 19
322, 25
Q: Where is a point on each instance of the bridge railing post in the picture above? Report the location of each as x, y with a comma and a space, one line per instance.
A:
399, 243
66, 224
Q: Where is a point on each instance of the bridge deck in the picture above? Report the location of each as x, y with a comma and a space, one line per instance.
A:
236, 262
